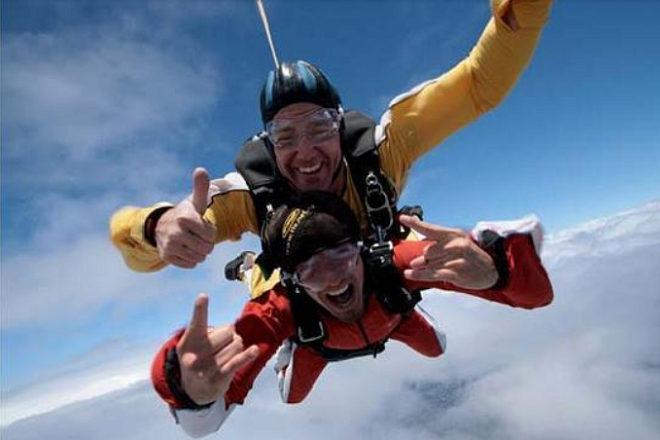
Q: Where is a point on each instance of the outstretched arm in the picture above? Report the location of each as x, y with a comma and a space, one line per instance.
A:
501, 258
202, 373
193, 371
183, 235
420, 119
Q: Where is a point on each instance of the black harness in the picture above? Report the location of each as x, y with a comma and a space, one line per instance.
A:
268, 188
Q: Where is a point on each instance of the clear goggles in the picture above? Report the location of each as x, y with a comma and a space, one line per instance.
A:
319, 126
328, 268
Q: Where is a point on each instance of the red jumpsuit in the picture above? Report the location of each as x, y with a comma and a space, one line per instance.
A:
267, 321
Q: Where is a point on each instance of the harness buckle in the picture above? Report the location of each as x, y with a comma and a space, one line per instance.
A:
377, 204
380, 253
320, 334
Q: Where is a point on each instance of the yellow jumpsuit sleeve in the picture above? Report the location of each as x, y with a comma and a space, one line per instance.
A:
419, 120
233, 214
231, 211
127, 234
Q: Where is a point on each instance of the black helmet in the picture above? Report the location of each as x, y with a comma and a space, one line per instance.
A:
294, 82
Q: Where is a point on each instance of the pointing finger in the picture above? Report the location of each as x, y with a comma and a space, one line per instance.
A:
200, 316
430, 231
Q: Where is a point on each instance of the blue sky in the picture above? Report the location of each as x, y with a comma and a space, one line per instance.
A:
106, 104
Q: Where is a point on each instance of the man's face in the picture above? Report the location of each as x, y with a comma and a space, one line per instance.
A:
307, 149
334, 279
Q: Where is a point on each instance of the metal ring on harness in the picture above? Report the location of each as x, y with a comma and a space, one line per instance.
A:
378, 206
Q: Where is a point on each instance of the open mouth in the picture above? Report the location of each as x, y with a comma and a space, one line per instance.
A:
313, 169
341, 297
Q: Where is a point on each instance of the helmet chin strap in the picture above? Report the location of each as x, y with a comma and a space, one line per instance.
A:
264, 20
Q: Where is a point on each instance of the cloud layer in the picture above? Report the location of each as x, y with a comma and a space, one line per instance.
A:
587, 366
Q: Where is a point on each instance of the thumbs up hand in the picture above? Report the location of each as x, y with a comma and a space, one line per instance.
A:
452, 257
209, 357
183, 237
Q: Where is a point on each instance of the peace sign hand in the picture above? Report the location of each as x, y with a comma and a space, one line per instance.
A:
452, 257
209, 357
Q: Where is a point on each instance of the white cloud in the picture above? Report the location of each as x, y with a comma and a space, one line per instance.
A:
85, 95
105, 106
70, 283
609, 236
587, 366
129, 367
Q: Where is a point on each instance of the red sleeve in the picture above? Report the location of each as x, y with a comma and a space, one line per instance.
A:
526, 285
158, 375
266, 321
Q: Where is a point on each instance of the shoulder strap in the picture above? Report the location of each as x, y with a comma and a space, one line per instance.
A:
379, 200
256, 163
309, 326
377, 193
357, 134
388, 284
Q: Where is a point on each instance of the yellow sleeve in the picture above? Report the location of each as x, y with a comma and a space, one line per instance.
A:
419, 120
127, 234
232, 213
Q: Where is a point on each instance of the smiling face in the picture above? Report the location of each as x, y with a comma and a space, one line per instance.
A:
334, 278
309, 162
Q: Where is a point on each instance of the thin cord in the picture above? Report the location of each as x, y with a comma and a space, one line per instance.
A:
264, 20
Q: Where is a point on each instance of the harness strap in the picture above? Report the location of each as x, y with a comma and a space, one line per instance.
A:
309, 326
377, 193
336, 355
